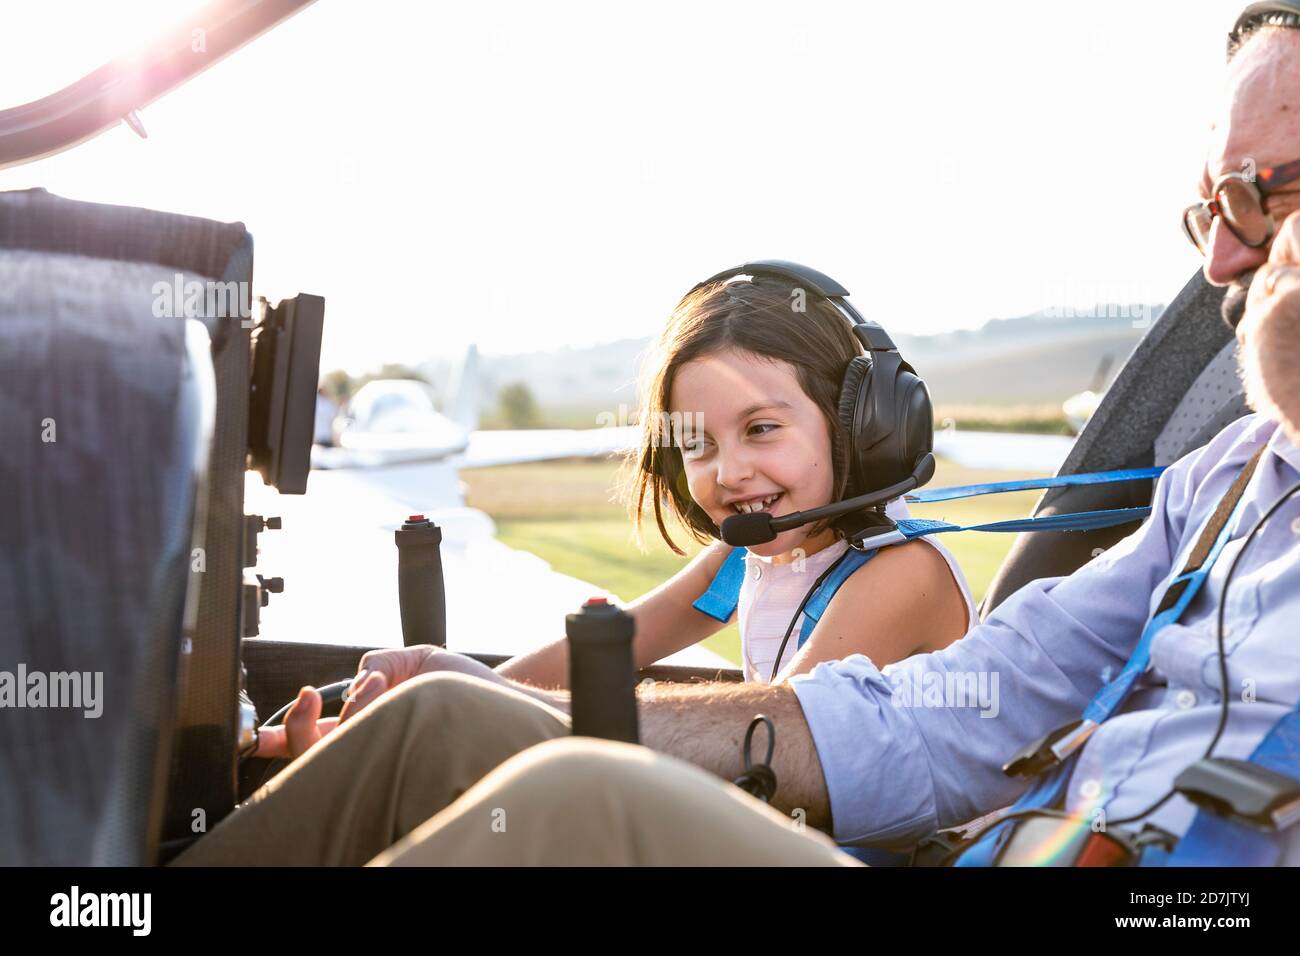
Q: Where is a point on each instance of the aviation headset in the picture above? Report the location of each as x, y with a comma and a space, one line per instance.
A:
884, 405
1280, 13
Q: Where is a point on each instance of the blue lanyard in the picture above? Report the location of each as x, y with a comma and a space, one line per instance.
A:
722, 597
1031, 484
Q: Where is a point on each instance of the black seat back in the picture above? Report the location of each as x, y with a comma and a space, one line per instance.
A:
1176, 391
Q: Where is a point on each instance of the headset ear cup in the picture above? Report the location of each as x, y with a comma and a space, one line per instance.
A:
856, 378
916, 419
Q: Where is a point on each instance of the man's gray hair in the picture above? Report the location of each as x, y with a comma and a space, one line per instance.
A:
1267, 17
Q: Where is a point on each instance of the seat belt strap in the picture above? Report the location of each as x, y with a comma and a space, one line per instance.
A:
1215, 840
1179, 593
723, 595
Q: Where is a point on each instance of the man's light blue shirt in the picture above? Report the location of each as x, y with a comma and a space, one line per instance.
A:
919, 746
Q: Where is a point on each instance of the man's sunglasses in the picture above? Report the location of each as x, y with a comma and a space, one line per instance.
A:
1239, 200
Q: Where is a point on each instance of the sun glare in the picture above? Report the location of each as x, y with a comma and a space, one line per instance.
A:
57, 42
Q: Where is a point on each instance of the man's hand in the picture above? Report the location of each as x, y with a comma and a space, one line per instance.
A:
1269, 332
1277, 283
379, 671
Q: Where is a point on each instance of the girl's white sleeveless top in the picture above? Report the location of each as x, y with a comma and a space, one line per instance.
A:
771, 593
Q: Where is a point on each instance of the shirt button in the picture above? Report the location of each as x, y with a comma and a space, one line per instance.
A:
1090, 789
758, 571
1185, 700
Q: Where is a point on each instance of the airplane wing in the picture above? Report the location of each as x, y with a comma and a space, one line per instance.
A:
1009, 451
480, 449
515, 446
394, 421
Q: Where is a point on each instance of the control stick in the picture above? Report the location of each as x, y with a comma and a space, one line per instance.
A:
420, 589
602, 674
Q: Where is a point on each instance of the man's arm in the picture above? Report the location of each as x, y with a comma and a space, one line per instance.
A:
920, 744
705, 724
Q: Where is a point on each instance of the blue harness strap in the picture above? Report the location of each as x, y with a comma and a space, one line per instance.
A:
723, 596
1112, 695
1213, 840
817, 604
721, 599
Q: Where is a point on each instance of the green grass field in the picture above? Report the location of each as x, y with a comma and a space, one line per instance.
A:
566, 515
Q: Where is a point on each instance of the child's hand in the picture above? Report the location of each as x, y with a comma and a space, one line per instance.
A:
303, 725
378, 672
400, 664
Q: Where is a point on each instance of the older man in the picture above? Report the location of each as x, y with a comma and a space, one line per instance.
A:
853, 756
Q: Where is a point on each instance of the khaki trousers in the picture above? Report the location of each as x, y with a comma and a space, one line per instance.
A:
453, 770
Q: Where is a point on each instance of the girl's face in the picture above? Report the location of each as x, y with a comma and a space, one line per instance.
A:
749, 433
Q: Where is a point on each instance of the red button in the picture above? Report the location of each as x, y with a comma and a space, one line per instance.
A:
415, 518
598, 600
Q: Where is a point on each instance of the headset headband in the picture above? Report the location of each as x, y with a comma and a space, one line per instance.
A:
1281, 13
871, 334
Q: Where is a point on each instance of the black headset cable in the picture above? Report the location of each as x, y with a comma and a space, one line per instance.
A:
776, 664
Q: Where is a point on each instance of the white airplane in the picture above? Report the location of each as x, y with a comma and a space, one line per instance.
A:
1079, 408
397, 456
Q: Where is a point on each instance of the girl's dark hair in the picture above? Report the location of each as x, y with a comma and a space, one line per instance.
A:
765, 316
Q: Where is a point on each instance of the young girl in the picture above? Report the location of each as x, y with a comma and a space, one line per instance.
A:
739, 413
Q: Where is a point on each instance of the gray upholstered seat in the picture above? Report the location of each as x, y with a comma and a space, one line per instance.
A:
107, 419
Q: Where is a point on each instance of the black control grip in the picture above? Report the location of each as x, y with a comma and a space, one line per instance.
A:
420, 588
602, 674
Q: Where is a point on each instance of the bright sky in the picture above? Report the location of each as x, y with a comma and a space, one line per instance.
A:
530, 175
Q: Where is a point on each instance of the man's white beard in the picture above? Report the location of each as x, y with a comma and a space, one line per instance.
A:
1270, 369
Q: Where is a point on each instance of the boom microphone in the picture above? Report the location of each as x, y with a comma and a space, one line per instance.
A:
747, 530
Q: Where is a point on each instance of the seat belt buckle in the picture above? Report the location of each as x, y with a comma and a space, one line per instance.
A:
1050, 749
1242, 791
860, 527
